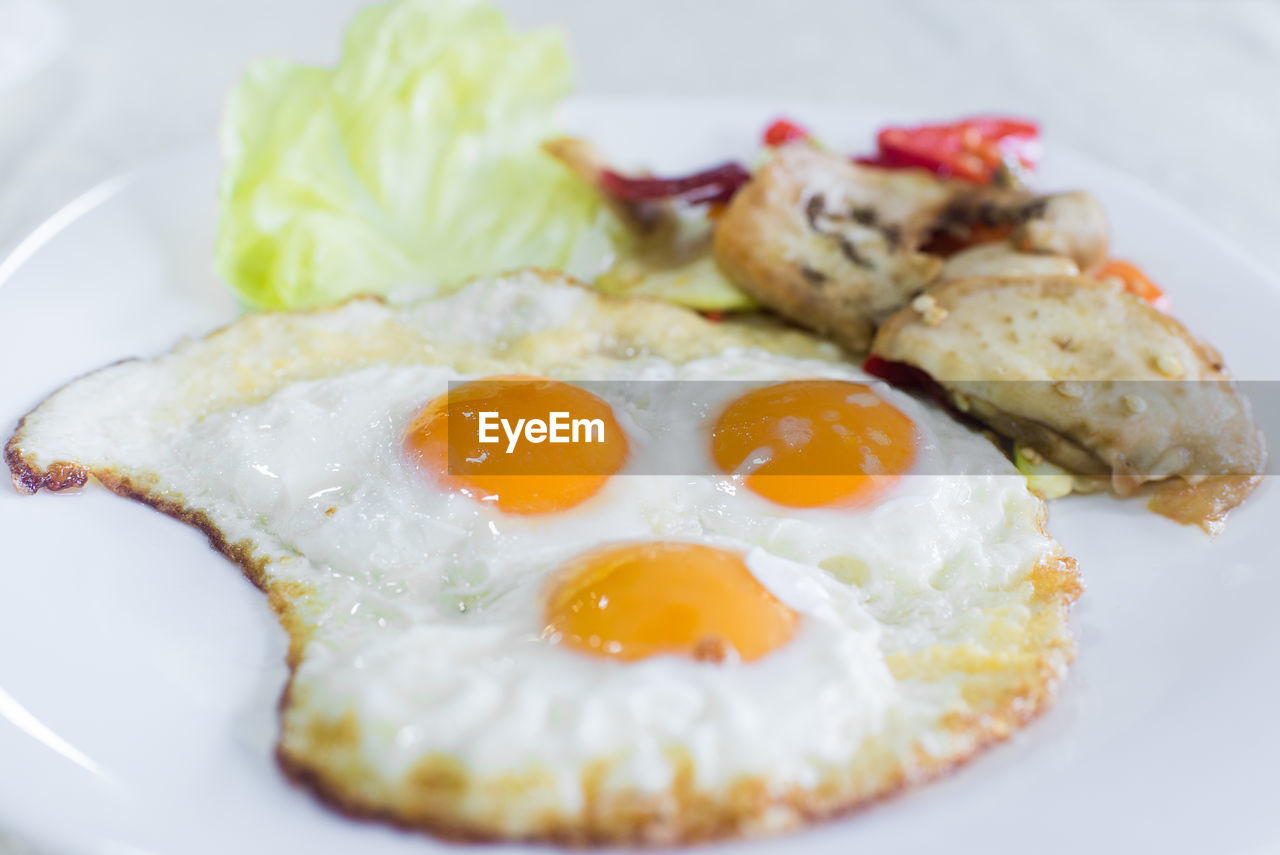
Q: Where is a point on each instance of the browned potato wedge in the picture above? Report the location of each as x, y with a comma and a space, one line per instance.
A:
830, 245
1094, 379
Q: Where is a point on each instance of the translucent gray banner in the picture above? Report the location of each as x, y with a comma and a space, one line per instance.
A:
1146, 429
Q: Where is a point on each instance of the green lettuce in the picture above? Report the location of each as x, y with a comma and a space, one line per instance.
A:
1045, 479
416, 160
675, 265
699, 284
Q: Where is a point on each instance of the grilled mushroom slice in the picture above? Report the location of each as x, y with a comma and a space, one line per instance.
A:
828, 244
1092, 378
838, 247
1069, 225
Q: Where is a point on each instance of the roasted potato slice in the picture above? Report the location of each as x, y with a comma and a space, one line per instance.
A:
1094, 379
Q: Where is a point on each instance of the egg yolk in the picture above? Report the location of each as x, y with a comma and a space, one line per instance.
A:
814, 443
639, 600
533, 477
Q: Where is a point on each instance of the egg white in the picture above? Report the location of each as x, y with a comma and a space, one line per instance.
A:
417, 613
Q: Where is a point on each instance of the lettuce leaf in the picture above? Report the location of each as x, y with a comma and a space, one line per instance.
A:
415, 160
699, 284
675, 265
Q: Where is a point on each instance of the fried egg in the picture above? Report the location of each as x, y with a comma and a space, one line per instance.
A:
774, 590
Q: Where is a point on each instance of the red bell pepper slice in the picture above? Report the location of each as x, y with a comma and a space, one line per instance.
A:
782, 131
970, 149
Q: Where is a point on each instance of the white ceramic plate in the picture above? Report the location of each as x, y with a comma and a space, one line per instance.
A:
139, 671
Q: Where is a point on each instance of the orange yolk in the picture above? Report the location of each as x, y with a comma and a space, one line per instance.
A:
812, 443
534, 478
639, 600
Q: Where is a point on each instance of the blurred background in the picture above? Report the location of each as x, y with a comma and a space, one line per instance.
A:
1180, 93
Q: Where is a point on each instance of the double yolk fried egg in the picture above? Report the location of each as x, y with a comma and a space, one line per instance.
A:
773, 589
